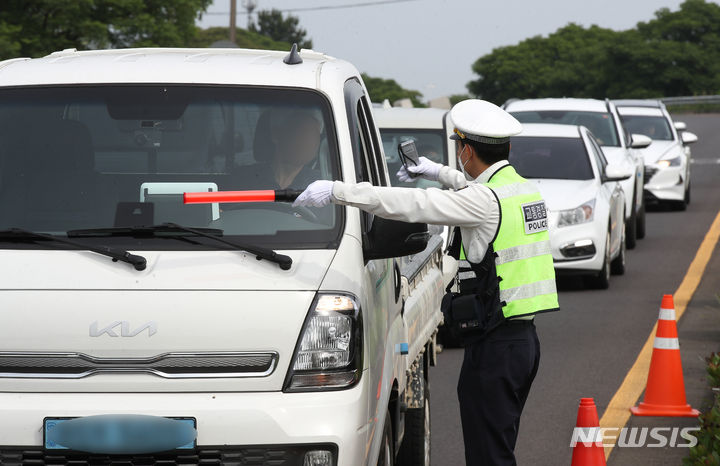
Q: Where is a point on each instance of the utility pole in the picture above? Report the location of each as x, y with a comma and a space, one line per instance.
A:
233, 17
249, 6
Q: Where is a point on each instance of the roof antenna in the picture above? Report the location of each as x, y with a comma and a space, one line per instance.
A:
293, 58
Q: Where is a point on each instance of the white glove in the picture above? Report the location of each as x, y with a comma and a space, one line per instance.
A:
425, 169
318, 194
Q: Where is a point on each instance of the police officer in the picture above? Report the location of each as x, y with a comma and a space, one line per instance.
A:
509, 275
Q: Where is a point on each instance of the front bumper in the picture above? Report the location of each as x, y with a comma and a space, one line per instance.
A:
664, 184
563, 239
256, 455
252, 427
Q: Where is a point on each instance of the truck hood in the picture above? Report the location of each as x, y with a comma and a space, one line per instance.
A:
659, 150
184, 314
166, 270
566, 194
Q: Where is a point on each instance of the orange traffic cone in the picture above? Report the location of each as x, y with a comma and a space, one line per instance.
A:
665, 391
587, 449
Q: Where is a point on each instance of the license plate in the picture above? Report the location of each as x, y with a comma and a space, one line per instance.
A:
50, 422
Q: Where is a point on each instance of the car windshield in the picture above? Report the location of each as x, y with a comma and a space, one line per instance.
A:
599, 123
550, 158
86, 157
430, 143
654, 127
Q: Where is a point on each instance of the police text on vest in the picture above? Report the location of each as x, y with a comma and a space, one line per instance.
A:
535, 217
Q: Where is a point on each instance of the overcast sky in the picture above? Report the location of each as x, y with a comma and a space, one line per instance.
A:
430, 45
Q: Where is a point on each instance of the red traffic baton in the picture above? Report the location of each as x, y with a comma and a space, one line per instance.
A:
267, 195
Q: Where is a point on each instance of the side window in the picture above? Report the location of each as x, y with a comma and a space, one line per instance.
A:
367, 145
358, 136
361, 140
623, 130
599, 156
377, 153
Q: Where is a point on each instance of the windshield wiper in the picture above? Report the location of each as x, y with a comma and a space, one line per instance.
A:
139, 262
140, 231
285, 262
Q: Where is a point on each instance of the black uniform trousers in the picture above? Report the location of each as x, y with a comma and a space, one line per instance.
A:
494, 384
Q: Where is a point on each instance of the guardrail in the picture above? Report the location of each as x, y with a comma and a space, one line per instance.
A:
692, 100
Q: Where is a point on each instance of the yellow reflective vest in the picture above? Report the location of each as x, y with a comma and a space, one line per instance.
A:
516, 277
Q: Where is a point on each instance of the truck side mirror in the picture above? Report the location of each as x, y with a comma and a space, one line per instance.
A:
392, 238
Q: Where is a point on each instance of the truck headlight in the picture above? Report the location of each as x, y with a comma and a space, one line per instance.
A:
578, 215
328, 355
673, 162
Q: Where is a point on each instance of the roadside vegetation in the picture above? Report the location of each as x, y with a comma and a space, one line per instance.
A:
707, 451
38, 28
693, 108
675, 54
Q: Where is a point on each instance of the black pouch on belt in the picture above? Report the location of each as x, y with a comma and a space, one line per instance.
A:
463, 314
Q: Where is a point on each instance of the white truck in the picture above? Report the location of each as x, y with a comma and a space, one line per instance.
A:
430, 128
274, 335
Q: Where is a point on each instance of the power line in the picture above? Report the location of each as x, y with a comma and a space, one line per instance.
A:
353, 5
329, 7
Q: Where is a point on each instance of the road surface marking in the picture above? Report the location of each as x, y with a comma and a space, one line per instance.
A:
705, 161
618, 411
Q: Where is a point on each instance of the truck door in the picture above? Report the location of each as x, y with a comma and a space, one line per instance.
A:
382, 303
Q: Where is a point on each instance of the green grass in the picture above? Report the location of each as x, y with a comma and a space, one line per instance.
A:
707, 450
693, 108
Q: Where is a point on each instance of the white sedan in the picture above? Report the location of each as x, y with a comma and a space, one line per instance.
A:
667, 159
583, 195
619, 147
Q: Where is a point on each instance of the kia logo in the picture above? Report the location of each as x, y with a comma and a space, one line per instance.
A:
125, 331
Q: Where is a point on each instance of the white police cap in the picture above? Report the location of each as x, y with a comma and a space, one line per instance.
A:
482, 121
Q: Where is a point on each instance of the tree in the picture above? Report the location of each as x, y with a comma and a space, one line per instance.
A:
272, 24
37, 27
243, 38
381, 89
566, 63
690, 40
676, 53
9, 40
457, 98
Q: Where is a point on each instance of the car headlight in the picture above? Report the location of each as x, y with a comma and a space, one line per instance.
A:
328, 355
578, 215
673, 162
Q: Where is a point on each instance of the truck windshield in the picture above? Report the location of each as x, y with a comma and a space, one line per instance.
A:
430, 143
601, 124
550, 158
654, 127
107, 156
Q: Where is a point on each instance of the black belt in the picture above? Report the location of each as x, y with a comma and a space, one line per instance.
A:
520, 321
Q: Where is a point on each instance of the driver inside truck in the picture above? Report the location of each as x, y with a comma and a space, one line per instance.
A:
286, 147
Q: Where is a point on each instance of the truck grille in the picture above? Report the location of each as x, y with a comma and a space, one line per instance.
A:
277, 455
169, 365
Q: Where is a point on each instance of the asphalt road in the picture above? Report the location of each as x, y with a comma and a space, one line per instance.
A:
588, 347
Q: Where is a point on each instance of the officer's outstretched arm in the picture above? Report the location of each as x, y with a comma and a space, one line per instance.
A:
469, 207
451, 178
